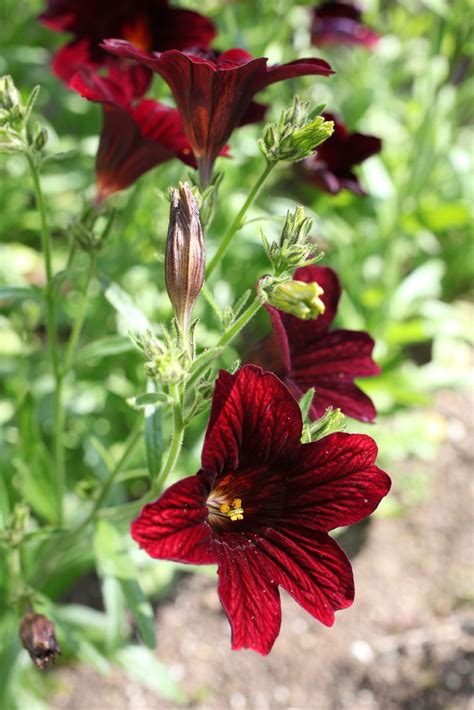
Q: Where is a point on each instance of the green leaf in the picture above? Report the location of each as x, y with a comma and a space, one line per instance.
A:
305, 402
153, 436
136, 320
19, 293
143, 400
104, 347
143, 666
205, 359
120, 584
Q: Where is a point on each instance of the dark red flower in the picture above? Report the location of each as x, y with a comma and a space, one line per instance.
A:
331, 167
305, 353
135, 137
214, 95
262, 505
340, 23
148, 24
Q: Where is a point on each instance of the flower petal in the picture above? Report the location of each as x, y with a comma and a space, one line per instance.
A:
312, 568
300, 67
336, 483
346, 396
250, 600
254, 418
175, 527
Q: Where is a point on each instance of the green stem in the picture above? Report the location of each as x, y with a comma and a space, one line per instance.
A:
176, 440
79, 322
240, 323
238, 221
52, 336
133, 439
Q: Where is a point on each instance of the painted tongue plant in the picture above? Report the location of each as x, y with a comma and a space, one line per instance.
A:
277, 473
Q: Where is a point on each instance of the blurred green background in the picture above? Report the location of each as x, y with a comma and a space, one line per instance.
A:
403, 254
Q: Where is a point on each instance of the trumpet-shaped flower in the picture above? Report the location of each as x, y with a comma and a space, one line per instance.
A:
262, 505
213, 95
331, 168
306, 353
340, 23
148, 24
135, 137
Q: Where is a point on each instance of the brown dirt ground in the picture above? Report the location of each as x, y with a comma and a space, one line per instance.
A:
408, 641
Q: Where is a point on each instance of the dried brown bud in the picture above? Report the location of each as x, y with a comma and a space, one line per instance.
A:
37, 635
184, 261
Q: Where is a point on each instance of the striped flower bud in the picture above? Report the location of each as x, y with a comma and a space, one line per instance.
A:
184, 261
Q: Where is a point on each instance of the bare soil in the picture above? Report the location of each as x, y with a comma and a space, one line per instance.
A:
407, 642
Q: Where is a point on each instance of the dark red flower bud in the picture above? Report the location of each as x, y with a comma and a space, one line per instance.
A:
37, 634
184, 260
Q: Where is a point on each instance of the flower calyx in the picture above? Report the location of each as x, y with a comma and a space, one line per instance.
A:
168, 361
296, 135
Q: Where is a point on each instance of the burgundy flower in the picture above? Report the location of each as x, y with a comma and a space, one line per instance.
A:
135, 137
214, 95
305, 353
340, 23
148, 24
331, 167
262, 505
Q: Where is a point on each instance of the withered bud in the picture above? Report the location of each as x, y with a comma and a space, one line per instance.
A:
37, 635
185, 260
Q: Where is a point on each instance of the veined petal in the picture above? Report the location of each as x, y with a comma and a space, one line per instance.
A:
250, 600
175, 527
254, 418
336, 483
300, 67
349, 398
312, 568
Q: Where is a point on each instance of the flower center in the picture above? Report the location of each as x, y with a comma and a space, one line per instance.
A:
138, 34
220, 509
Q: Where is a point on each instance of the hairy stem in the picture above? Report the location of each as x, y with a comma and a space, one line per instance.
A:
238, 221
50, 297
79, 322
176, 439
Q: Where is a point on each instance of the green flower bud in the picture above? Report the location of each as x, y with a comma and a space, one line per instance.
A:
184, 259
299, 298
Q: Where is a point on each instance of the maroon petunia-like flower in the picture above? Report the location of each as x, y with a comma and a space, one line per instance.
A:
340, 23
262, 505
147, 24
331, 168
306, 353
214, 95
135, 137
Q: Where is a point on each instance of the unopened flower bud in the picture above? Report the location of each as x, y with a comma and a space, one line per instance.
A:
299, 298
184, 261
37, 634
40, 137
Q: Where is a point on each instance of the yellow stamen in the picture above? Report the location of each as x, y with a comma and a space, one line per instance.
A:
234, 512
224, 508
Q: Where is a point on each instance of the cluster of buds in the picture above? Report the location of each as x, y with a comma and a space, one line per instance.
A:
296, 135
15, 135
38, 636
295, 248
167, 361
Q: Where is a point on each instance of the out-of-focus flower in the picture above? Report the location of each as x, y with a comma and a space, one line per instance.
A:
148, 24
305, 353
184, 260
262, 505
214, 95
135, 137
331, 168
37, 634
340, 23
